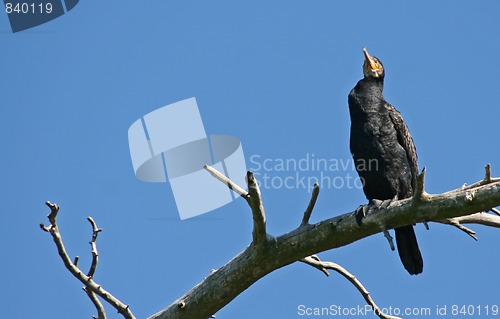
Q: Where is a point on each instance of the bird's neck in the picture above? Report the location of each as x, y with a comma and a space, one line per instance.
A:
371, 85
366, 97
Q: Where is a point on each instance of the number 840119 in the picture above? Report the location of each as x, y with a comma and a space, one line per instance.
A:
25, 8
474, 310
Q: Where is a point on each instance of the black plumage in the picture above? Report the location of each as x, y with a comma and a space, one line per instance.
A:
384, 152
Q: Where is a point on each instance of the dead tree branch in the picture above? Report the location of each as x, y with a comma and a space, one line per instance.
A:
455, 222
91, 287
95, 255
477, 218
101, 313
223, 179
480, 219
318, 265
323, 265
495, 211
254, 199
223, 285
456, 207
310, 207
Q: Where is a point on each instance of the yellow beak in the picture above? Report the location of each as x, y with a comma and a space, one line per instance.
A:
369, 59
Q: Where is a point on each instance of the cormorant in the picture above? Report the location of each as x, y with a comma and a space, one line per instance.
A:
384, 153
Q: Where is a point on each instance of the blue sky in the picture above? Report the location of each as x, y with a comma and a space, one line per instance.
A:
276, 75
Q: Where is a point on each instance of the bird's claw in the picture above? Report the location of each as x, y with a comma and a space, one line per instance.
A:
383, 204
361, 212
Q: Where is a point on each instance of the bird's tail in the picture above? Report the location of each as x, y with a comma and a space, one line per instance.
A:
408, 250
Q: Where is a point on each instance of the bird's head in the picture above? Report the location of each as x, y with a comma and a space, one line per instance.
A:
372, 66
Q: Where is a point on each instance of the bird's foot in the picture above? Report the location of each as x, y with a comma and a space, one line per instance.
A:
361, 212
383, 204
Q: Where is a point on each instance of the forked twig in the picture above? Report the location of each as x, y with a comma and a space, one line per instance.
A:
316, 263
456, 222
253, 198
482, 218
91, 287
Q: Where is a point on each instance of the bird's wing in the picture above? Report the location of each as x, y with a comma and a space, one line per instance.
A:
405, 140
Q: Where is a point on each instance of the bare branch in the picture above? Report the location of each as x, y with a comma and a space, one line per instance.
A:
223, 285
389, 239
479, 219
229, 183
95, 254
253, 198
496, 211
310, 207
44, 228
457, 224
89, 283
259, 216
420, 193
487, 174
318, 266
316, 263
101, 314
485, 181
